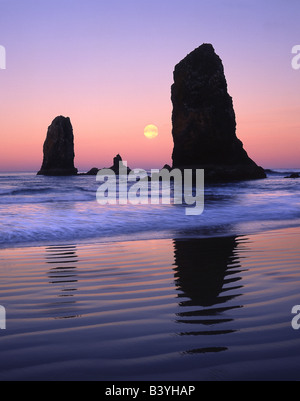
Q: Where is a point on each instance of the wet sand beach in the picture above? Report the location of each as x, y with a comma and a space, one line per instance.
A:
167, 309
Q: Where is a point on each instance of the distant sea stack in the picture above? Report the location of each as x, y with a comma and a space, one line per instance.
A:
203, 118
115, 167
59, 149
117, 163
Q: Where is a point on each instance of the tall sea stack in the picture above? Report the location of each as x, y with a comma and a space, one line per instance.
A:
204, 125
59, 149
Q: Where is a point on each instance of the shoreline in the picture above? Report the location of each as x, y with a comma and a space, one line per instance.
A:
251, 228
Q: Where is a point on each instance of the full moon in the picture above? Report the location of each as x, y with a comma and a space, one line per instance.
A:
150, 131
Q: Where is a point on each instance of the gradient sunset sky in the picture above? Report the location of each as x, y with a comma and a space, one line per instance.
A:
108, 65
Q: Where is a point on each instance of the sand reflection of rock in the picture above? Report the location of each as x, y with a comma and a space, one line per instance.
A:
206, 273
63, 274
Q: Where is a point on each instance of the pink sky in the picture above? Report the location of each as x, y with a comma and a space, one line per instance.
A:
109, 67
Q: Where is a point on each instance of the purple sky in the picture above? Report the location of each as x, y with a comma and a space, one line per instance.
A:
108, 65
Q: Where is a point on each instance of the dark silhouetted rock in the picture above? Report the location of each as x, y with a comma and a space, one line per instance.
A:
204, 125
293, 175
59, 149
92, 171
116, 165
167, 167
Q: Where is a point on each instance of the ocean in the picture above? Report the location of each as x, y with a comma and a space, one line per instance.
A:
38, 210
144, 292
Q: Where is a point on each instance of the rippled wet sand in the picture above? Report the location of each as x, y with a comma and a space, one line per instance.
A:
186, 309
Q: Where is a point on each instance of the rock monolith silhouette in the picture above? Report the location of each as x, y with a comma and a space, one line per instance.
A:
204, 123
59, 149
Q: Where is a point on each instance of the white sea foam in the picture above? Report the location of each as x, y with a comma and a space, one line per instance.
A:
36, 209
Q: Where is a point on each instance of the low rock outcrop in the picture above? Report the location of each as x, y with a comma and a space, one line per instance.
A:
115, 167
293, 175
